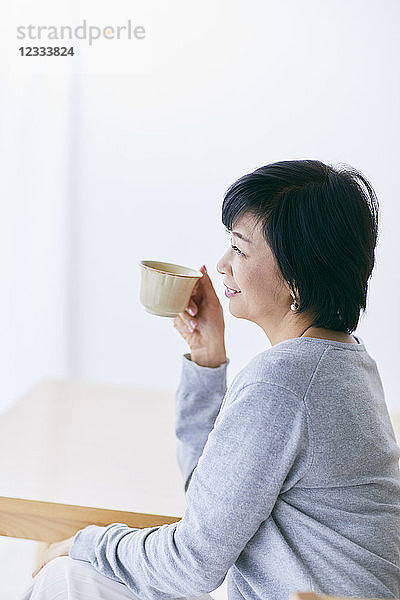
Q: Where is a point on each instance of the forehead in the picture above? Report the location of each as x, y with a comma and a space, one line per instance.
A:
248, 226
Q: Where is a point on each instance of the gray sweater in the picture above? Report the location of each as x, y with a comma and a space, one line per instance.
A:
292, 481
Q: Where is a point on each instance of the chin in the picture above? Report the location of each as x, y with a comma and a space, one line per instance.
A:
234, 313
238, 314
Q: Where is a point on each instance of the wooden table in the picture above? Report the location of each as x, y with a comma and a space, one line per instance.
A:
74, 453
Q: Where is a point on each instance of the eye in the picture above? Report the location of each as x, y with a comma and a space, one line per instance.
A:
236, 249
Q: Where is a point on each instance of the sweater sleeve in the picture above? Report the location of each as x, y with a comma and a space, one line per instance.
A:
257, 449
197, 402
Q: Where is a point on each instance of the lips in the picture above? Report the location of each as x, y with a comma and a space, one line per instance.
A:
229, 292
229, 288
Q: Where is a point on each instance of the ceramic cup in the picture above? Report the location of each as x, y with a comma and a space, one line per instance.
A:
166, 288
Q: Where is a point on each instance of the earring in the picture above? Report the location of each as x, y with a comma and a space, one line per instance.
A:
295, 305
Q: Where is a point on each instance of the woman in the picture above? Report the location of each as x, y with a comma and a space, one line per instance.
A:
291, 474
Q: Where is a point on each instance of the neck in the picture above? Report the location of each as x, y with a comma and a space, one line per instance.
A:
293, 326
305, 331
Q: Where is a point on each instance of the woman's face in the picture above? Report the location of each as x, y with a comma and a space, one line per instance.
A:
251, 269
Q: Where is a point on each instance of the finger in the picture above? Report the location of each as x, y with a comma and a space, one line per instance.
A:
197, 293
188, 322
185, 323
191, 308
179, 324
206, 282
195, 289
198, 282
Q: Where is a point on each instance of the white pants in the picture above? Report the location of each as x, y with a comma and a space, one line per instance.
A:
64, 578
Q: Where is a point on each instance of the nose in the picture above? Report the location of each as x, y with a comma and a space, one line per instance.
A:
222, 267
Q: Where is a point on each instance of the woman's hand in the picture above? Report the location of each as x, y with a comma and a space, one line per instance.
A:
61, 548
204, 327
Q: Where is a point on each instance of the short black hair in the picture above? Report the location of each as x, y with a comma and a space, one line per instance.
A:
321, 223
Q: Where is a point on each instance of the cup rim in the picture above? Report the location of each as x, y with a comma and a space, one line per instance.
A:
198, 275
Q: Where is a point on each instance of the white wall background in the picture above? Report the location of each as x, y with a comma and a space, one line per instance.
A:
125, 151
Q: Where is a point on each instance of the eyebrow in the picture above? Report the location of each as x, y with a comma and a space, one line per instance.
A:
242, 237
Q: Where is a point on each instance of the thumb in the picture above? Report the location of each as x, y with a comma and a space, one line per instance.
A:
206, 281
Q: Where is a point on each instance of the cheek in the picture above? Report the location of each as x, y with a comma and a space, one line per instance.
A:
248, 279
262, 283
